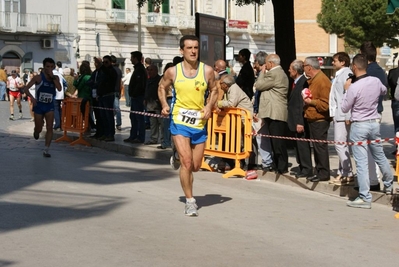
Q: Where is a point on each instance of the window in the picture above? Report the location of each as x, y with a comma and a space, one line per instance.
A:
164, 8
118, 4
10, 6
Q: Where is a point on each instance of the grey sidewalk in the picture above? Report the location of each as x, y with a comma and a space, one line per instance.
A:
151, 151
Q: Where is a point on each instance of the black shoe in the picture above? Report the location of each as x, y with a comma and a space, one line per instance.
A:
302, 175
95, 136
282, 172
161, 147
315, 179
267, 169
109, 139
375, 187
46, 154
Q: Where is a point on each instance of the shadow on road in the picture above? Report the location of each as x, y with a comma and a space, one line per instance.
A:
207, 200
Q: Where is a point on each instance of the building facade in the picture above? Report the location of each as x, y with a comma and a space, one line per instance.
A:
35, 29
311, 40
118, 27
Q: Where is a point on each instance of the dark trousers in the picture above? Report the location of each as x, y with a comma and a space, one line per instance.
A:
279, 146
97, 117
108, 121
303, 154
137, 121
83, 110
319, 131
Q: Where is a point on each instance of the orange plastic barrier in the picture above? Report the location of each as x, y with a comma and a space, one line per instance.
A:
73, 121
229, 136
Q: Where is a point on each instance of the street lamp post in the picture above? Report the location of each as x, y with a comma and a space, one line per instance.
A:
139, 31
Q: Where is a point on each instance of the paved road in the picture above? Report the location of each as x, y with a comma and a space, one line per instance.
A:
89, 207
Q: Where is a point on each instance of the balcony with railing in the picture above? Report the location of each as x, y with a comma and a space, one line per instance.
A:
29, 23
183, 22
262, 28
186, 22
121, 16
161, 20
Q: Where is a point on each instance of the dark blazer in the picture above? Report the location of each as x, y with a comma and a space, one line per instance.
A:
295, 105
393, 76
246, 79
138, 81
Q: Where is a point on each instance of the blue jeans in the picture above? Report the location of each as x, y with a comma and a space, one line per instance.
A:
362, 131
107, 115
166, 132
137, 121
2, 90
264, 147
117, 111
57, 114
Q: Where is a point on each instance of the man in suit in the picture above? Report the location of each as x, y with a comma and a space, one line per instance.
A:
318, 117
393, 76
296, 121
273, 107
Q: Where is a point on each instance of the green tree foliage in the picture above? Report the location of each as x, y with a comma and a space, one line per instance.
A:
359, 20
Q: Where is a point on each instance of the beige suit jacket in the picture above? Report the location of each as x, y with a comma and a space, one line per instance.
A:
273, 86
236, 98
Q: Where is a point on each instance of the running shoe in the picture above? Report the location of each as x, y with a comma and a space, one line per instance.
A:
191, 209
35, 135
21, 115
46, 154
175, 161
11, 117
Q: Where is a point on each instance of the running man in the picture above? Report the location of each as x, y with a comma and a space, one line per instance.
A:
43, 102
14, 83
190, 79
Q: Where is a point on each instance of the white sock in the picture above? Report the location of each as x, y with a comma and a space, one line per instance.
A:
190, 200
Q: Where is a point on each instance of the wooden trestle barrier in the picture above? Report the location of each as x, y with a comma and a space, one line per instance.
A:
72, 120
229, 136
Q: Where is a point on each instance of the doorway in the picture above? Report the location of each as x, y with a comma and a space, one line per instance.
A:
11, 61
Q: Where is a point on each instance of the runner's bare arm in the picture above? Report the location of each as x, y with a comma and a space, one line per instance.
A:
213, 92
164, 84
57, 83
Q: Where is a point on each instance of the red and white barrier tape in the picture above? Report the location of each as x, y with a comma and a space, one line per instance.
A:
357, 143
